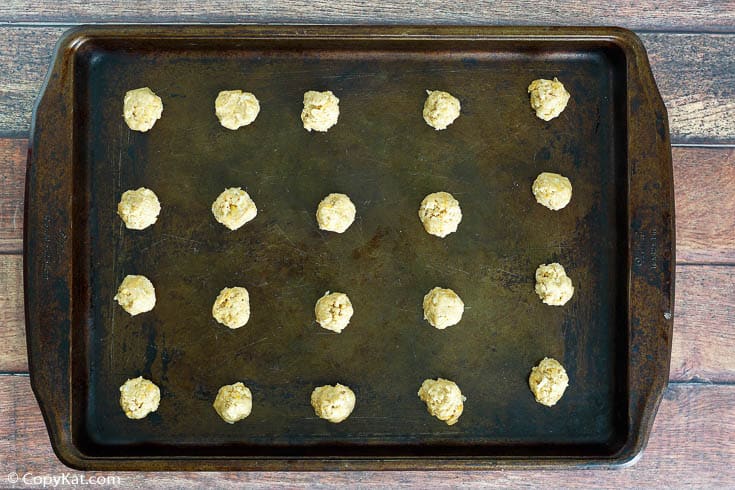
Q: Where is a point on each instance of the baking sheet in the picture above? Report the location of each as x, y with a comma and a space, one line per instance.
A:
384, 156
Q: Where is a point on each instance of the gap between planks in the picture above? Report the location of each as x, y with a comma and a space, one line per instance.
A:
686, 15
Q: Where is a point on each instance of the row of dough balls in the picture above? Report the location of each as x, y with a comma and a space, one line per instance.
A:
439, 212
442, 306
444, 400
235, 108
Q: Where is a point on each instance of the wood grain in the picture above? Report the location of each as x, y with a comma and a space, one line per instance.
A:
704, 338
647, 14
13, 355
696, 77
25, 58
692, 443
703, 342
703, 179
695, 73
13, 155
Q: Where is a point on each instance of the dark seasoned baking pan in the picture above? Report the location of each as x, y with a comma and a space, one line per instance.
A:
615, 240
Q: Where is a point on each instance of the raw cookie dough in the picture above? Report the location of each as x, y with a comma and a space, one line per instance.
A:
232, 307
233, 208
552, 284
552, 190
321, 110
335, 213
139, 209
333, 403
333, 311
440, 214
443, 399
139, 397
548, 381
136, 295
442, 308
234, 402
548, 98
141, 109
235, 108
440, 109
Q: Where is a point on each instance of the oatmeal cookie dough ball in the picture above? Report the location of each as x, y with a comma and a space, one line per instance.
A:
139, 397
552, 284
321, 110
443, 308
232, 307
333, 403
235, 108
440, 109
234, 402
548, 381
552, 190
440, 214
336, 213
233, 208
443, 399
333, 311
136, 295
139, 208
548, 98
141, 109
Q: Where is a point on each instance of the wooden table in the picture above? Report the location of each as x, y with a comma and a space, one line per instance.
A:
691, 45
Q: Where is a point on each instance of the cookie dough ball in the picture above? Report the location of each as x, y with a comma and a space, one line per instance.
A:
442, 308
232, 307
141, 109
333, 403
335, 213
233, 208
443, 399
136, 295
548, 381
552, 284
552, 190
139, 208
548, 98
440, 109
321, 110
139, 397
333, 311
234, 402
235, 108
440, 214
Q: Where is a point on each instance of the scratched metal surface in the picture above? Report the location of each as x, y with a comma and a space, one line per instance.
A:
386, 159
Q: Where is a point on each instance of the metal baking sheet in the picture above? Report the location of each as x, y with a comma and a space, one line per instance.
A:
614, 239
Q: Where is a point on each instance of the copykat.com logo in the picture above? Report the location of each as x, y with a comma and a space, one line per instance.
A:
28, 478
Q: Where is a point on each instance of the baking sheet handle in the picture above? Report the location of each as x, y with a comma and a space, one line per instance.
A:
47, 249
651, 252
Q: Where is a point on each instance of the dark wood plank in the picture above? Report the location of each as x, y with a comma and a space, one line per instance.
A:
696, 77
692, 444
703, 178
13, 155
25, 58
702, 347
647, 14
695, 72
